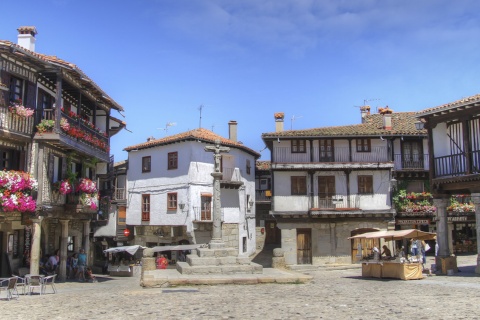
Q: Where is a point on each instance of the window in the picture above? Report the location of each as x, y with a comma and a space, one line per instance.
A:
16, 89
299, 185
172, 160
145, 207
363, 145
5, 159
206, 209
57, 169
299, 146
172, 201
146, 164
249, 167
365, 184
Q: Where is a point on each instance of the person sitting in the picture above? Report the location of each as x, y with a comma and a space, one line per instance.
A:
386, 251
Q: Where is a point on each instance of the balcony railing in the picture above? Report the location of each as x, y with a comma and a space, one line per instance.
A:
120, 194
15, 123
337, 202
336, 154
205, 215
456, 164
411, 162
230, 174
263, 195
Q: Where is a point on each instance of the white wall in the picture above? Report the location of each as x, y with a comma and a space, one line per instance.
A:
441, 142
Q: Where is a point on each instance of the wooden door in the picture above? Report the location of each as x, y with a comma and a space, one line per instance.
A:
326, 190
272, 232
326, 150
412, 155
304, 246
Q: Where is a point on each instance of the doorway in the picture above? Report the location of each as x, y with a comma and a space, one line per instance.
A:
272, 232
304, 246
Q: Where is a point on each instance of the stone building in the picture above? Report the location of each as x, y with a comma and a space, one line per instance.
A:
170, 188
56, 126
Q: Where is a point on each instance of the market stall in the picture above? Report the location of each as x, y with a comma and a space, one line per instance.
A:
122, 261
398, 266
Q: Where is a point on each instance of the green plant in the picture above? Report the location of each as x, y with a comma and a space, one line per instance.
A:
45, 126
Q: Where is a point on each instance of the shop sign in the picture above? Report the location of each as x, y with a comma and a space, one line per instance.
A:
413, 221
414, 214
460, 219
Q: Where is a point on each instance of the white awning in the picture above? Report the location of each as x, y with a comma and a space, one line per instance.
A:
129, 249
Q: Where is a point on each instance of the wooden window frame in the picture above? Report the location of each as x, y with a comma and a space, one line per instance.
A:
363, 181
364, 144
298, 185
298, 147
248, 166
16, 94
206, 214
146, 164
145, 207
172, 160
172, 201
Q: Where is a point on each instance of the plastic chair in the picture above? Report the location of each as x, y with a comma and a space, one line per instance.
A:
10, 288
34, 282
21, 282
49, 280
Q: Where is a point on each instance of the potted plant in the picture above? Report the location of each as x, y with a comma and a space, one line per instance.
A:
46, 126
19, 110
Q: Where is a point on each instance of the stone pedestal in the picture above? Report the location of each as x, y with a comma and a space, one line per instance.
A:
217, 261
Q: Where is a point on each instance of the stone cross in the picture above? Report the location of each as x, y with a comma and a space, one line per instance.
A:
217, 150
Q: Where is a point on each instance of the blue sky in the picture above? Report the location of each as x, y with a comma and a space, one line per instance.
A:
317, 61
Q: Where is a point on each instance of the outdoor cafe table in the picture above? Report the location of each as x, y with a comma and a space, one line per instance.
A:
391, 269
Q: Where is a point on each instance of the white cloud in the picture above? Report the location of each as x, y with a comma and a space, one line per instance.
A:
296, 26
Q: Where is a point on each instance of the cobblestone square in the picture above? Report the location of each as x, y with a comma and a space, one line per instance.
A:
334, 293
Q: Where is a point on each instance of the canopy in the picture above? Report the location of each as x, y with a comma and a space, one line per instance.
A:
397, 235
129, 249
178, 247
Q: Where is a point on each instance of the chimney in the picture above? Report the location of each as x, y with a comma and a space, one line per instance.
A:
279, 116
26, 37
364, 112
232, 130
387, 117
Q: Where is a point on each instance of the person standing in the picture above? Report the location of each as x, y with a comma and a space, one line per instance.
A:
82, 263
414, 247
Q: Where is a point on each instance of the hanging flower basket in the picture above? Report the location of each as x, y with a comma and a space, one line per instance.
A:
15, 191
87, 186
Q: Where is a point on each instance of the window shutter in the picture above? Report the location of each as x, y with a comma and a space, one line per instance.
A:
30, 95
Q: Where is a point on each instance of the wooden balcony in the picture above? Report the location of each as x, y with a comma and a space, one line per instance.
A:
411, 162
16, 125
79, 137
334, 155
119, 194
263, 195
459, 164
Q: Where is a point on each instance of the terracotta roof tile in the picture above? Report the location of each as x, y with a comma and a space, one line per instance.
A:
70, 66
459, 103
403, 123
263, 165
200, 134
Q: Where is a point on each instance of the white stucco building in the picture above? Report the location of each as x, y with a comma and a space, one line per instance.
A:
170, 189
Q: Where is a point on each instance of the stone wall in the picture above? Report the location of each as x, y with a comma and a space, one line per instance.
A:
230, 235
330, 243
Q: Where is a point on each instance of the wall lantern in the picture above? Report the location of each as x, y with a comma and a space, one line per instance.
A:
126, 232
181, 205
250, 202
419, 125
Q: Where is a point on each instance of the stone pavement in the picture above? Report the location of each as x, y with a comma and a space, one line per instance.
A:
334, 293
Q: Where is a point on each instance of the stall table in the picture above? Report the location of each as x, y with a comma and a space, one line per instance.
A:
391, 269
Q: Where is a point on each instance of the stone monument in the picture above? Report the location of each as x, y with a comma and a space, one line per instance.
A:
217, 258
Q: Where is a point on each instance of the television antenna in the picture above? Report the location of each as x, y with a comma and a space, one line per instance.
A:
293, 119
365, 101
167, 125
216, 125
200, 108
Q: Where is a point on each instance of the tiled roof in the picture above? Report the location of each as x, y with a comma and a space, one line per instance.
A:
200, 134
53, 60
263, 165
403, 123
452, 105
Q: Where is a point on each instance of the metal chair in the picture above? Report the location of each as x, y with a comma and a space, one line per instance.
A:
49, 280
34, 282
10, 288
